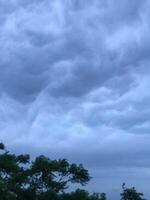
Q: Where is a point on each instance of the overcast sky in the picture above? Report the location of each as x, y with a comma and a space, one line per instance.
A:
75, 83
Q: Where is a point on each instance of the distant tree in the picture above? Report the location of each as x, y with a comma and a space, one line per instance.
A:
131, 194
78, 194
83, 195
98, 196
2, 146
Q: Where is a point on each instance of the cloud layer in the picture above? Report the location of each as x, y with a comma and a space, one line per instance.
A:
75, 83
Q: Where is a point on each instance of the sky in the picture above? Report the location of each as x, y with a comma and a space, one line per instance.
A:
74, 83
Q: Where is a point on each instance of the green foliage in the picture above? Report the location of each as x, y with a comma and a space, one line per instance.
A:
83, 195
40, 179
2, 146
131, 194
5, 193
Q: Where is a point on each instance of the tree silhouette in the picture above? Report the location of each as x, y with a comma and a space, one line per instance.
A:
130, 194
42, 178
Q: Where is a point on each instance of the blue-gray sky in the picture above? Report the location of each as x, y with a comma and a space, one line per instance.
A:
75, 83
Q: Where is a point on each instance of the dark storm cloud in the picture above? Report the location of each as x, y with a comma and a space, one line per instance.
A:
40, 41
74, 82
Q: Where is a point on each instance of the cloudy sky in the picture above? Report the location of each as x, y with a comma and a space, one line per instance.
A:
75, 83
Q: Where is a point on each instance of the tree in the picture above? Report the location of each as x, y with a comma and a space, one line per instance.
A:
5, 193
98, 196
82, 195
43, 178
2, 146
130, 194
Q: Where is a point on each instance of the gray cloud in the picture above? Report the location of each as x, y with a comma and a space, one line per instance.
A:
75, 83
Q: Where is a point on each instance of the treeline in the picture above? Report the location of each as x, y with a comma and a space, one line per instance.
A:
46, 179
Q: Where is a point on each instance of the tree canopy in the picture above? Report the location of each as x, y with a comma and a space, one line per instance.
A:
44, 179
130, 194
